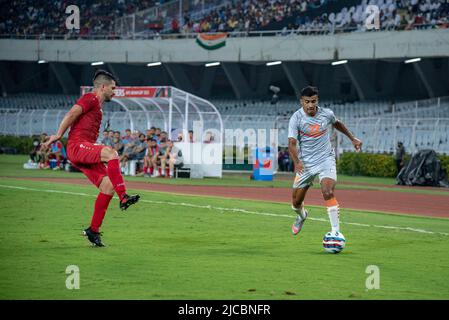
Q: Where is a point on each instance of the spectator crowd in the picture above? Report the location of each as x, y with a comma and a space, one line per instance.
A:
24, 17
248, 15
154, 153
252, 15
153, 150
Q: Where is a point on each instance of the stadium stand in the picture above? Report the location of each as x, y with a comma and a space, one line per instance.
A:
291, 15
47, 18
285, 108
34, 101
358, 109
380, 124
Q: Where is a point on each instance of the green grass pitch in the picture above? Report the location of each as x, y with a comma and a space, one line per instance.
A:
187, 247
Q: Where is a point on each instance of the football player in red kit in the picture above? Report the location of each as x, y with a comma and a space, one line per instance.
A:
99, 163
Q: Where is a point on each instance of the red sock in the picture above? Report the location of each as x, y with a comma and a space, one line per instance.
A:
151, 170
116, 178
145, 170
58, 163
159, 170
101, 205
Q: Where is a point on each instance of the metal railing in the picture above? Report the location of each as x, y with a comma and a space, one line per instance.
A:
233, 34
379, 134
418, 124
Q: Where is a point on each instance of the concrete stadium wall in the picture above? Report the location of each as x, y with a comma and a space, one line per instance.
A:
366, 45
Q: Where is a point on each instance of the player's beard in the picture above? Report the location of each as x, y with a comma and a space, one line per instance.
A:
108, 98
312, 111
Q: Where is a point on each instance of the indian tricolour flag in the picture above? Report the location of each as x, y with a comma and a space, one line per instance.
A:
211, 41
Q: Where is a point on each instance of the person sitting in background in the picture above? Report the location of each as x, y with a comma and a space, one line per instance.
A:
161, 158
157, 135
57, 153
43, 153
129, 143
191, 136
106, 140
150, 159
283, 160
140, 148
163, 136
151, 133
174, 158
400, 156
111, 136
135, 150
127, 137
117, 143
34, 154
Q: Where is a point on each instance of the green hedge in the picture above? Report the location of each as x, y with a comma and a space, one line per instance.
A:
444, 163
375, 165
350, 163
23, 144
366, 164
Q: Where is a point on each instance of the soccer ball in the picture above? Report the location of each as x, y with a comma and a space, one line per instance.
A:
334, 242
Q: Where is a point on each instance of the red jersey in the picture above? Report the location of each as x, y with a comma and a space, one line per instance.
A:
87, 126
154, 150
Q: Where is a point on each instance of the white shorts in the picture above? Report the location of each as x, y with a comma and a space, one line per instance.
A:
326, 169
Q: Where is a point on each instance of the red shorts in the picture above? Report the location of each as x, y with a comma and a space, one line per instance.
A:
86, 156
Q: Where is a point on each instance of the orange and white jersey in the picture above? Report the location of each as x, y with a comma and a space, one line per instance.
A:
313, 135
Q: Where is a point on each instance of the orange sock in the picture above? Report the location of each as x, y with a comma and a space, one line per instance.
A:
331, 202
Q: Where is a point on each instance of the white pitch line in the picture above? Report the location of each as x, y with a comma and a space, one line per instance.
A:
236, 210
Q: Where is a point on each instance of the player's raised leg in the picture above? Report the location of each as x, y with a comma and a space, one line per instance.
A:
110, 156
333, 210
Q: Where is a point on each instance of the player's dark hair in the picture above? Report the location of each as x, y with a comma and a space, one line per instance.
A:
309, 91
103, 76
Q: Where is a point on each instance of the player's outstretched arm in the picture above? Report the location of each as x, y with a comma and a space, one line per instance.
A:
68, 120
340, 126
